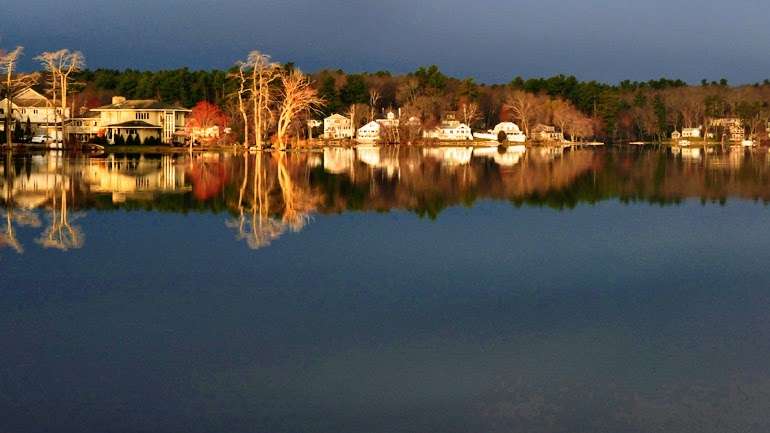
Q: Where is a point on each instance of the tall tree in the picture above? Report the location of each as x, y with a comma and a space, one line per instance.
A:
263, 73
12, 83
297, 96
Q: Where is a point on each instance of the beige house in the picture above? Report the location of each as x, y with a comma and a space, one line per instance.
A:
337, 127
546, 133
142, 118
84, 127
732, 126
44, 115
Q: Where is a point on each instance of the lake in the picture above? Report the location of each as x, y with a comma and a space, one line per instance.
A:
386, 289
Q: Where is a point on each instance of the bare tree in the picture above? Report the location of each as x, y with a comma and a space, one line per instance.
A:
297, 96
263, 73
242, 96
12, 83
49, 61
470, 112
523, 105
374, 99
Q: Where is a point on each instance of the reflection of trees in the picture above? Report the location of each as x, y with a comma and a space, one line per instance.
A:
254, 223
11, 214
49, 186
60, 233
278, 200
20, 217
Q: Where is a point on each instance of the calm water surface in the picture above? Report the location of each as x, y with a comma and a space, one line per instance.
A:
386, 290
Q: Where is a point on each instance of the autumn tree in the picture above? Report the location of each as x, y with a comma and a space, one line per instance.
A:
205, 115
296, 96
523, 106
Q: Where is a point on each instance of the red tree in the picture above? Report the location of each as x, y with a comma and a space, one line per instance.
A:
205, 115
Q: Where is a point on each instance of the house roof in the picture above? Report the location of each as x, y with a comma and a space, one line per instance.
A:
141, 104
87, 115
337, 116
29, 98
139, 124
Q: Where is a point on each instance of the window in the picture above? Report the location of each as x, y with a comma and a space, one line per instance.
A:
142, 116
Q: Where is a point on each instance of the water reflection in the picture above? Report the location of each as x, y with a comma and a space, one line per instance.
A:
271, 193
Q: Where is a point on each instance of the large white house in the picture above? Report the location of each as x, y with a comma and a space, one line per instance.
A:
512, 132
43, 114
449, 130
337, 127
376, 129
142, 118
691, 132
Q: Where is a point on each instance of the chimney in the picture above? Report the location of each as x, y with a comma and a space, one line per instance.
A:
118, 100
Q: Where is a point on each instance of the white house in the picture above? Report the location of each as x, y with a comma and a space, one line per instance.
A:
369, 132
142, 118
374, 130
337, 127
511, 130
676, 135
449, 130
42, 113
691, 132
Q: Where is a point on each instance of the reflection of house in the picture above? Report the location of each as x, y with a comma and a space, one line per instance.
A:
42, 113
338, 160
546, 133
337, 127
379, 157
123, 178
732, 128
449, 130
142, 118
450, 156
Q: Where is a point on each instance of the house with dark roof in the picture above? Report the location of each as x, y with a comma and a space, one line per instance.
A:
143, 119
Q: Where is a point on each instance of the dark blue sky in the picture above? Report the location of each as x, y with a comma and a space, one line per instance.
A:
491, 40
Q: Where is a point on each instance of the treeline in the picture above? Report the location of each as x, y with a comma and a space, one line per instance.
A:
628, 110
181, 86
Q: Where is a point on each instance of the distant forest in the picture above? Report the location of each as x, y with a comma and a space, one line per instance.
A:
627, 110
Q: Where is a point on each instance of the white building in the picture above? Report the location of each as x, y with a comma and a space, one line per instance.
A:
44, 115
449, 130
691, 132
337, 127
369, 132
142, 118
376, 129
511, 130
